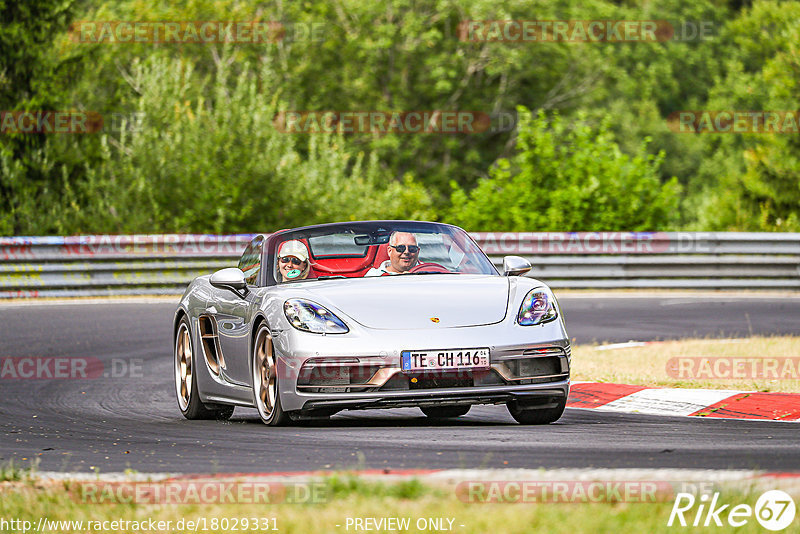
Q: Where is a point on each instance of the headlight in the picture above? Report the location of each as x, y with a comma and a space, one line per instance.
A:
539, 307
309, 317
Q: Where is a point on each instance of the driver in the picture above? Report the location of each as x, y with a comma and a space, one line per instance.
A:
292, 263
403, 255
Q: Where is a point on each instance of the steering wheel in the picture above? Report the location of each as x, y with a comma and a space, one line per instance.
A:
429, 268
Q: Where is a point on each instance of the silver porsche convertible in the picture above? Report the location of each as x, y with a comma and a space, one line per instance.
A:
376, 314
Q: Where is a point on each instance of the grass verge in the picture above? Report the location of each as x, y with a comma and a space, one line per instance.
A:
346, 498
680, 364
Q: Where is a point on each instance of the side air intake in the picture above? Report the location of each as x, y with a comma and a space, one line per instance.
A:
210, 338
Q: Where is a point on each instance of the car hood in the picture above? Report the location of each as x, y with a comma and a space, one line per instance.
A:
418, 302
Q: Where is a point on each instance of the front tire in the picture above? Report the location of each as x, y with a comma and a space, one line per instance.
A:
445, 412
526, 415
266, 392
186, 389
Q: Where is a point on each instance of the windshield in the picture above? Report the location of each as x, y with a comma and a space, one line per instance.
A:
373, 249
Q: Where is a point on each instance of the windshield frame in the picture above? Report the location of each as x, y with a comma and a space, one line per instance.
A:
379, 231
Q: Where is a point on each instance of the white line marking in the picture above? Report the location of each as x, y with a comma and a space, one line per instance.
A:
626, 345
89, 300
668, 401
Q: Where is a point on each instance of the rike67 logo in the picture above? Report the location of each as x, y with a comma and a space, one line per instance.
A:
774, 510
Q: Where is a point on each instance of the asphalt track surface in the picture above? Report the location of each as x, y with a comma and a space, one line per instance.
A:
112, 424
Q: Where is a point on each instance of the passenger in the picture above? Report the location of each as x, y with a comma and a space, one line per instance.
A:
292, 263
403, 255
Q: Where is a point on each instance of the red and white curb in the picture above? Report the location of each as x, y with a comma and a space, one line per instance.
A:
710, 403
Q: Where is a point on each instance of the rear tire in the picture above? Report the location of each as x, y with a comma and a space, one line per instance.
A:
445, 412
266, 393
536, 416
186, 389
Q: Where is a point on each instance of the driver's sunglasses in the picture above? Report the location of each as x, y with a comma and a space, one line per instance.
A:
295, 261
412, 249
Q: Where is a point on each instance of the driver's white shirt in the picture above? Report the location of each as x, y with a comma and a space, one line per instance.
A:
382, 269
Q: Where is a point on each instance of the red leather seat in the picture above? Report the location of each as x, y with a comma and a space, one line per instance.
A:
381, 256
343, 266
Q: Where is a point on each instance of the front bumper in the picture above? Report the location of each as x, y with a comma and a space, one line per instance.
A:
385, 385
543, 395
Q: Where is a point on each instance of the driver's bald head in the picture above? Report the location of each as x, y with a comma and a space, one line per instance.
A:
402, 238
401, 261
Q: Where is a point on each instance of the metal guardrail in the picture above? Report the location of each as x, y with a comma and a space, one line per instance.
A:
658, 260
111, 264
165, 264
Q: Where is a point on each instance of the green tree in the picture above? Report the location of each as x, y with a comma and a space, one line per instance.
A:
395, 55
770, 186
30, 72
569, 177
209, 158
752, 181
399, 55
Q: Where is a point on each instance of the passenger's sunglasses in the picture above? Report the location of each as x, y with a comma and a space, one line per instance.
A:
412, 249
295, 261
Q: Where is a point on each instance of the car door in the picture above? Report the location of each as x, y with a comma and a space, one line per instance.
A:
232, 313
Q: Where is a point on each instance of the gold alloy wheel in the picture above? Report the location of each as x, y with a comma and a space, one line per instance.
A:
183, 367
264, 371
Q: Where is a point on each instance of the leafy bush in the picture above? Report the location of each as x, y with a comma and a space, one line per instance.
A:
569, 177
209, 159
753, 180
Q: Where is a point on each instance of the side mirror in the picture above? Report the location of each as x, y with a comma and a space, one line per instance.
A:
515, 266
230, 278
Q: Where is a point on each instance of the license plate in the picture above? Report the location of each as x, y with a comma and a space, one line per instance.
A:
421, 360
